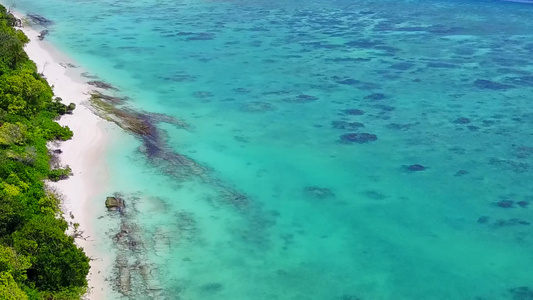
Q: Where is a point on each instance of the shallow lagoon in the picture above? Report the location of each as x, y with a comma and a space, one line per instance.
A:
268, 194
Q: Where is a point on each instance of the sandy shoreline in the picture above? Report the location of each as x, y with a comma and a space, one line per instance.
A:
84, 153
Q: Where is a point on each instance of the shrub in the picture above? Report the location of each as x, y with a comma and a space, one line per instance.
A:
60, 174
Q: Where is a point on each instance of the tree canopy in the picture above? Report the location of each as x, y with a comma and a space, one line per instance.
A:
38, 260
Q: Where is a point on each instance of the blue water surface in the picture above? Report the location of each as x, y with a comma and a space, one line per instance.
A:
349, 149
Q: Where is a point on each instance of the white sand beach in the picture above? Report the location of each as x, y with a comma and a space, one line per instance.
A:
83, 153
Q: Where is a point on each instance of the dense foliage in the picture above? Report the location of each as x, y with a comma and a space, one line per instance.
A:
38, 260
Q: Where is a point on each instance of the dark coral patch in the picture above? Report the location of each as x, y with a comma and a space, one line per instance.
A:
276, 93
318, 192
441, 65
385, 107
488, 123
204, 36
359, 138
522, 204
491, 85
461, 173
178, 77
348, 59
347, 125
526, 80
402, 127
505, 203
306, 98
483, 220
510, 222
462, 120
242, 90
515, 166
521, 293
301, 99
349, 81
376, 97
374, 195
403, 66
363, 43
211, 287
349, 297
353, 112
257, 107
202, 94
416, 168
523, 151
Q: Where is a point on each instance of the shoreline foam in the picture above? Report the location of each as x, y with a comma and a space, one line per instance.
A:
84, 153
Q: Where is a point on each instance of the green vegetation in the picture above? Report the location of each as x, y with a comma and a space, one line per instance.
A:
38, 260
59, 174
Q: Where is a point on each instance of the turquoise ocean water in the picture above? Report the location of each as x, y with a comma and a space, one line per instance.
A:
274, 191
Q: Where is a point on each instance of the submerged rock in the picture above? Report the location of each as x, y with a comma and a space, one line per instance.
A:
43, 34
114, 203
359, 138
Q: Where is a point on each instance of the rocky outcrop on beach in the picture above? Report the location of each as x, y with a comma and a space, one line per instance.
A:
43, 34
114, 203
